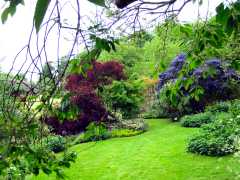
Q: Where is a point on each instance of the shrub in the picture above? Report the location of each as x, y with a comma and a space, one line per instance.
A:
173, 70
210, 82
211, 146
55, 143
164, 108
235, 107
125, 97
218, 138
197, 120
137, 124
219, 107
83, 89
96, 132
232, 107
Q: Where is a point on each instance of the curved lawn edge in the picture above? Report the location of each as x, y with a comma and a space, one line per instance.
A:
159, 153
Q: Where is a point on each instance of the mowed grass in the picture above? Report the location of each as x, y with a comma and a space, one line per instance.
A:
158, 154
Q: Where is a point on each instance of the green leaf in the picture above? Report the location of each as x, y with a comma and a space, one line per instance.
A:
222, 14
46, 170
98, 2
188, 83
235, 64
231, 25
40, 11
186, 30
112, 45
10, 10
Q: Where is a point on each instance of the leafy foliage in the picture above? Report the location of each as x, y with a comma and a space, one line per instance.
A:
164, 107
11, 9
21, 134
95, 132
173, 70
23, 153
125, 132
124, 96
127, 54
55, 143
40, 11
83, 88
209, 82
197, 120
222, 106
146, 53
228, 17
218, 138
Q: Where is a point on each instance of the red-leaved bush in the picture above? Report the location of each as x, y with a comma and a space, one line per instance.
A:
84, 95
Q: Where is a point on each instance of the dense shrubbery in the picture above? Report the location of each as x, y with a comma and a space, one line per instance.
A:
197, 120
125, 97
222, 106
172, 72
221, 136
97, 132
137, 124
83, 89
163, 107
232, 106
55, 143
218, 138
210, 82
101, 95
218, 81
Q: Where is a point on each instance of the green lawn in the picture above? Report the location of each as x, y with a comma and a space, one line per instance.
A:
158, 154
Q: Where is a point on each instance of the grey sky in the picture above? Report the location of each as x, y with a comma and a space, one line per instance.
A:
14, 34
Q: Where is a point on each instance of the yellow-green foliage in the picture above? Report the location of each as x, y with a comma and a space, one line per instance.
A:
125, 132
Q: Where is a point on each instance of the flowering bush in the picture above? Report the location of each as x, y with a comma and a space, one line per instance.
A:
210, 82
173, 70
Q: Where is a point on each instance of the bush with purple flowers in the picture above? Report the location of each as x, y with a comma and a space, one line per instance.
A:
211, 81
172, 72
